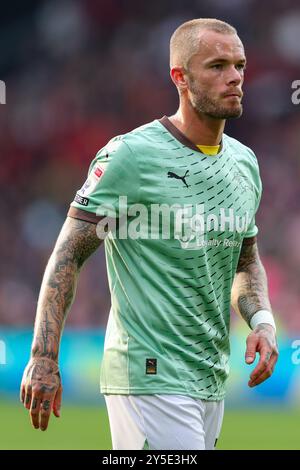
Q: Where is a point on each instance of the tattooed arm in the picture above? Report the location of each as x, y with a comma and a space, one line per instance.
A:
41, 388
249, 294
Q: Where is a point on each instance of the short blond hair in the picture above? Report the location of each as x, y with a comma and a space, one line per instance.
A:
184, 41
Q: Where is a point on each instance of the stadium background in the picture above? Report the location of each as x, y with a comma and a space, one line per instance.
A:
78, 73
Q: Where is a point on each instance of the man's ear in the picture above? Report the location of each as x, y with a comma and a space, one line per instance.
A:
178, 77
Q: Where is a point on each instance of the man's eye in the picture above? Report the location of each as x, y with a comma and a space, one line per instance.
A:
217, 66
241, 66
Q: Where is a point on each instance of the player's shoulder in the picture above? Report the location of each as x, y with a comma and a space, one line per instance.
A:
144, 137
240, 150
133, 141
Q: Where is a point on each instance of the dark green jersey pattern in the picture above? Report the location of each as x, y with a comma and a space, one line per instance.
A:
168, 329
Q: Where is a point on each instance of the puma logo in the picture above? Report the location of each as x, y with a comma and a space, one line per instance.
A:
182, 178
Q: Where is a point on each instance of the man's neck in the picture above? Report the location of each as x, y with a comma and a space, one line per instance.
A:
201, 130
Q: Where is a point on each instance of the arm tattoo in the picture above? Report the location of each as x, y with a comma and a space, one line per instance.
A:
250, 287
76, 242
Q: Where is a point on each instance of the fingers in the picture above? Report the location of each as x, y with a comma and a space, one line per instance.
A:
40, 388
263, 341
261, 367
45, 411
27, 397
262, 374
22, 393
40, 408
35, 412
252, 343
57, 402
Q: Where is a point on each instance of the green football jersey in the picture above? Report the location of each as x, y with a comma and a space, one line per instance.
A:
171, 257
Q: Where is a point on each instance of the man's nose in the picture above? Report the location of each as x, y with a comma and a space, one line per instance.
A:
234, 76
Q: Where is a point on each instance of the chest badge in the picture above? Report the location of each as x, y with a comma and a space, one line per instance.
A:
178, 177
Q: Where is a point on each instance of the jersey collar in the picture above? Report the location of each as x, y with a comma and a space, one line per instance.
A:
165, 121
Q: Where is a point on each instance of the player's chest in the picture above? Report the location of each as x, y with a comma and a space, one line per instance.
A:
215, 184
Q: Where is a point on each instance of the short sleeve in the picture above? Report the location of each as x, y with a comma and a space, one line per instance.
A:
112, 183
252, 229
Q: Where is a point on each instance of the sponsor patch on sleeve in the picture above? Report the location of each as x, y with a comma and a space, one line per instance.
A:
83, 201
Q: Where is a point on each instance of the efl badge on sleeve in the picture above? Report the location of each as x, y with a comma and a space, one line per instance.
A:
92, 181
98, 172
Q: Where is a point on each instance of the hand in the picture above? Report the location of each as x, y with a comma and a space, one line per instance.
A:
41, 391
262, 340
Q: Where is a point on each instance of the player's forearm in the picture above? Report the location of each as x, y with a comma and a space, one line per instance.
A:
77, 241
250, 287
55, 299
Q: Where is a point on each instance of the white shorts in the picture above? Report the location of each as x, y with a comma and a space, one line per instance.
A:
165, 422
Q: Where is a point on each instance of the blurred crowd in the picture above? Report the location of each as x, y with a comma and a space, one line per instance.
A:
79, 72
